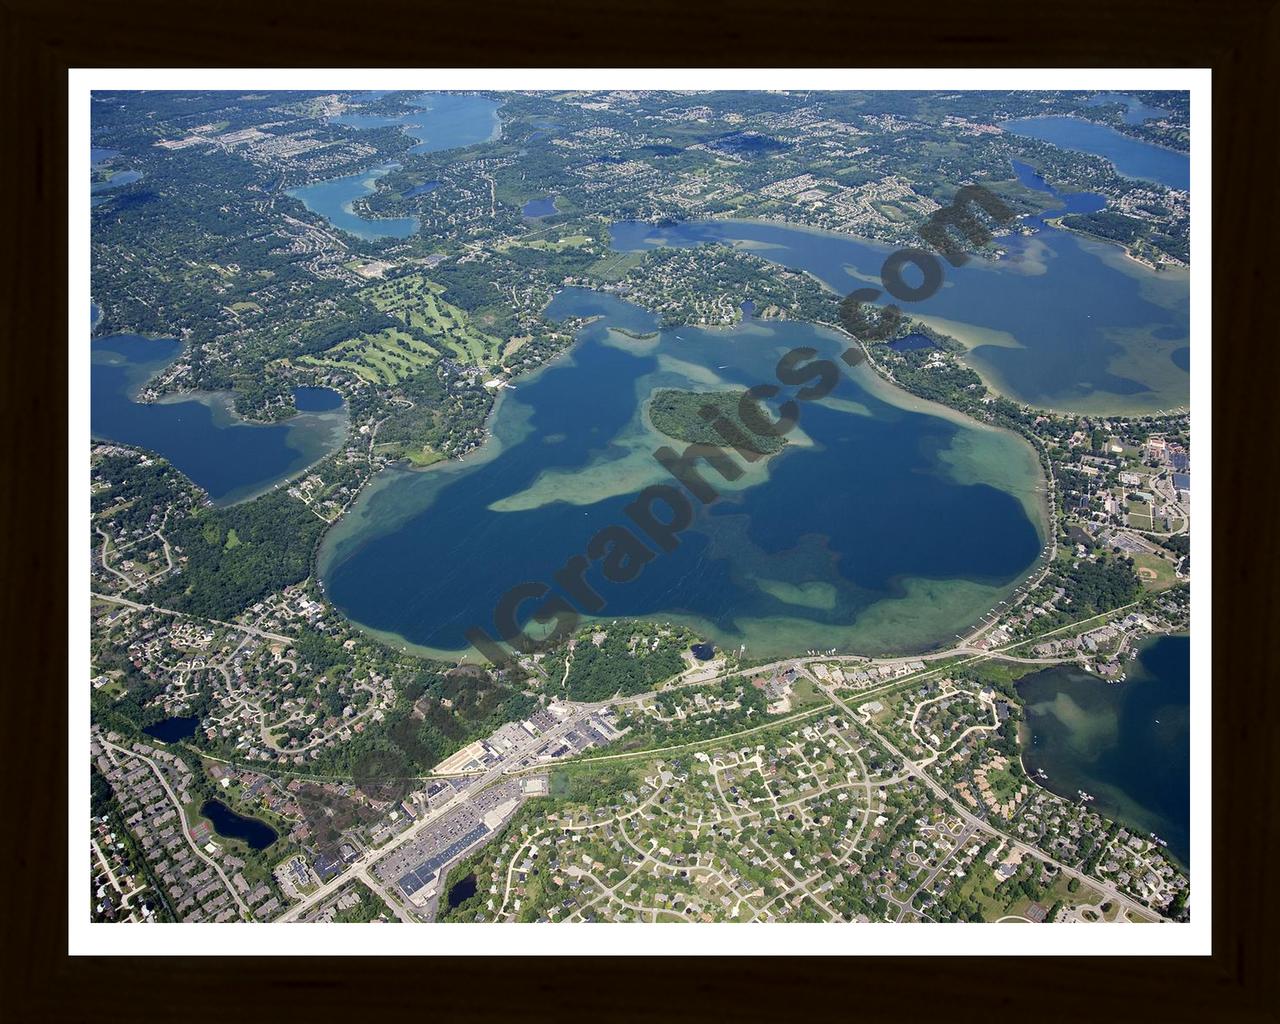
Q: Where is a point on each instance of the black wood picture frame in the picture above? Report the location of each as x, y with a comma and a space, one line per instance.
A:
42, 39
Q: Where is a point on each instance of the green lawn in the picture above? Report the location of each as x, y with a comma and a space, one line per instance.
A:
417, 302
387, 357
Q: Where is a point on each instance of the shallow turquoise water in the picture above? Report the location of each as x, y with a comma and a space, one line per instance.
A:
879, 527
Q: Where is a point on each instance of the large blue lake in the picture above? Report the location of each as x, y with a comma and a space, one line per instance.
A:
885, 524
1130, 157
1062, 322
1126, 744
201, 434
439, 121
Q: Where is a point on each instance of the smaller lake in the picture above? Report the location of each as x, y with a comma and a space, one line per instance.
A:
230, 825
544, 207
117, 180
334, 200
99, 155
703, 652
912, 343
420, 190
1126, 744
1135, 111
316, 399
438, 120
1130, 157
173, 730
200, 433
1072, 202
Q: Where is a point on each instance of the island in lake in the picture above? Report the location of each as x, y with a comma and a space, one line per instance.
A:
693, 416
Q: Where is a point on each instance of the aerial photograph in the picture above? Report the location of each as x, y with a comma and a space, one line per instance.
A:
637, 506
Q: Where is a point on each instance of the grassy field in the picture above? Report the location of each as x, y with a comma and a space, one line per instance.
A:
385, 358
416, 301
616, 265
1156, 573
1139, 515
549, 245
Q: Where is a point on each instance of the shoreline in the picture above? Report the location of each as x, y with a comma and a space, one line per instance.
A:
221, 405
902, 399
1100, 124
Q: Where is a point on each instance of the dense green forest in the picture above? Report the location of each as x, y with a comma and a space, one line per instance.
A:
274, 538
680, 414
629, 659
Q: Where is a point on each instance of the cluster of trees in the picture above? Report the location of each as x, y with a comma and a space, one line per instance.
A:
276, 534
1130, 231
445, 419
598, 672
134, 491
679, 414
680, 281
1099, 586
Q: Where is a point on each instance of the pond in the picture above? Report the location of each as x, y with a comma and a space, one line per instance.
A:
461, 891
539, 207
230, 825
172, 730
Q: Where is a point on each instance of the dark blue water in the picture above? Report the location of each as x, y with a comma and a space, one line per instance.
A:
703, 652
837, 530
912, 343
171, 730
229, 458
1130, 157
462, 891
1069, 202
230, 825
116, 181
419, 190
539, 207
316, 399
1127, 744
1062, 322
438, 121
99, 155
